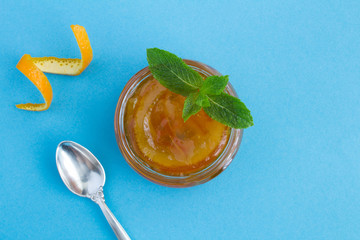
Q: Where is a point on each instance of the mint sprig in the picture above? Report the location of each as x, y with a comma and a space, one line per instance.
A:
173, 73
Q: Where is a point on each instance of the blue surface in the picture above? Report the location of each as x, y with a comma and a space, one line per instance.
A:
296, 64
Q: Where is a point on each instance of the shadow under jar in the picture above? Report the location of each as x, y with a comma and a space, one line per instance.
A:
156, 142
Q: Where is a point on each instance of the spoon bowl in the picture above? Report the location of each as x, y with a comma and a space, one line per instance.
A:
79, 169
83, 174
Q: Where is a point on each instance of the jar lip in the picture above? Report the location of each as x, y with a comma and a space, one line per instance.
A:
140, 166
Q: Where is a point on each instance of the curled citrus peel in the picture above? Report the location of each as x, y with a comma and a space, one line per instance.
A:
38, 78
33, 68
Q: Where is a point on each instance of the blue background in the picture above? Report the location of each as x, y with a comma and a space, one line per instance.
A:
296, 64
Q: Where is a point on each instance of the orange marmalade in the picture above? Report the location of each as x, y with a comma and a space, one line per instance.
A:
157, 133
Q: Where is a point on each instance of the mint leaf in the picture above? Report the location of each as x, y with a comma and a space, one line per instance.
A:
214, 85
172, 72
202, 100
229, 110
190, 106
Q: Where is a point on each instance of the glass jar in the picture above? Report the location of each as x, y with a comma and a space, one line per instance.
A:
202, 176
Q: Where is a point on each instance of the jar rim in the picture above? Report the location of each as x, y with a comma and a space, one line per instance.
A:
140, 166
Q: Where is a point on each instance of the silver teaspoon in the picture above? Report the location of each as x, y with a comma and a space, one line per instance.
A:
83, 174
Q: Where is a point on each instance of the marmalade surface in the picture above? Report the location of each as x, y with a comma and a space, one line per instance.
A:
159, 136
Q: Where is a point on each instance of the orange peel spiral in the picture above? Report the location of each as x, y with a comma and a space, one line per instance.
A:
34, 67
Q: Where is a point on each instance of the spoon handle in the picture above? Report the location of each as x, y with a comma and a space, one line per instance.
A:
115, 225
